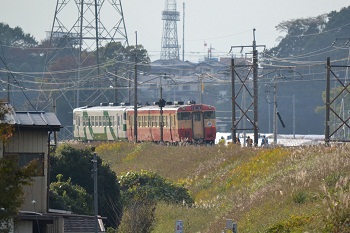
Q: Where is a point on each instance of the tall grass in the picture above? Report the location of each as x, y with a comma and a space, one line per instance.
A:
263, 190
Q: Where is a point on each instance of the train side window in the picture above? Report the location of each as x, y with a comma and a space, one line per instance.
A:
139, 121
77, 120
91, 121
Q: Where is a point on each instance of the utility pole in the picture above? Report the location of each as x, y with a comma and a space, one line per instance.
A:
201, 87
293, 116
328, 100
161, 105
233, 107
255, 88
183, 32
135, 93
94, 160
275, 113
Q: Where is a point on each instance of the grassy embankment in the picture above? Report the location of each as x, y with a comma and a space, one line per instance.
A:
263, 190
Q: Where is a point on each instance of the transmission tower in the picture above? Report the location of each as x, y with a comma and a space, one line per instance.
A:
79, 31
82, 26
170, 45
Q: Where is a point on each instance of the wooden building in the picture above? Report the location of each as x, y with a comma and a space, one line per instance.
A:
32, 138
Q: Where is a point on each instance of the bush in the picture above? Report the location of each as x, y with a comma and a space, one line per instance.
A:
337, 202
139, 216
150, 186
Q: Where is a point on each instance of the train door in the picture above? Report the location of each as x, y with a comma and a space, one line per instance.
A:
197, 123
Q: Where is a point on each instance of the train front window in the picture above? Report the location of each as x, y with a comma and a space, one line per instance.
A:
184, 116
209, 115
197, 116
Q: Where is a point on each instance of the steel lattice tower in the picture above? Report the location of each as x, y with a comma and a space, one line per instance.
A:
170, 45
73, 76
79, 29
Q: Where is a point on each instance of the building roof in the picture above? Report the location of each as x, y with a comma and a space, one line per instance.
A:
37, 119
172, 62
82, 224
72, 222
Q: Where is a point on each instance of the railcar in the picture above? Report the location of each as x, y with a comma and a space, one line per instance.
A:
106, 122
193, 123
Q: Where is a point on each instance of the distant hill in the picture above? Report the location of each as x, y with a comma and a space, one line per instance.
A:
298, 67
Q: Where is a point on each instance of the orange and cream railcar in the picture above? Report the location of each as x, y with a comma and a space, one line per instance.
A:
194, 123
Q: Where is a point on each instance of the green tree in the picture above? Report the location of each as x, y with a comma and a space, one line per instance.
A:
77, 164
151, 186
13, 178
140, 193
15, 36
66, 196
120, 61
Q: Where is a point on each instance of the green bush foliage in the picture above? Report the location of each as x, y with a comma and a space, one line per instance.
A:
12, 180
77, 165
145, 185
290, 225
66, 196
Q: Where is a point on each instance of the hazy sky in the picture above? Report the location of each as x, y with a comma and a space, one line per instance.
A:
220, 23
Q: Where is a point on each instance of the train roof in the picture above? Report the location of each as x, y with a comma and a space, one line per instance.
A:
102, 107
184, 107
168, 106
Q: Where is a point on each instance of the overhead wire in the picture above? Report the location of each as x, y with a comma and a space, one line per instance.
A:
14, 78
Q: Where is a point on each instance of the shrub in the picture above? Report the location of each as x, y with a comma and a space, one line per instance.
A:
337, 201
300, 197
291, 225
139, 216
149, 185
